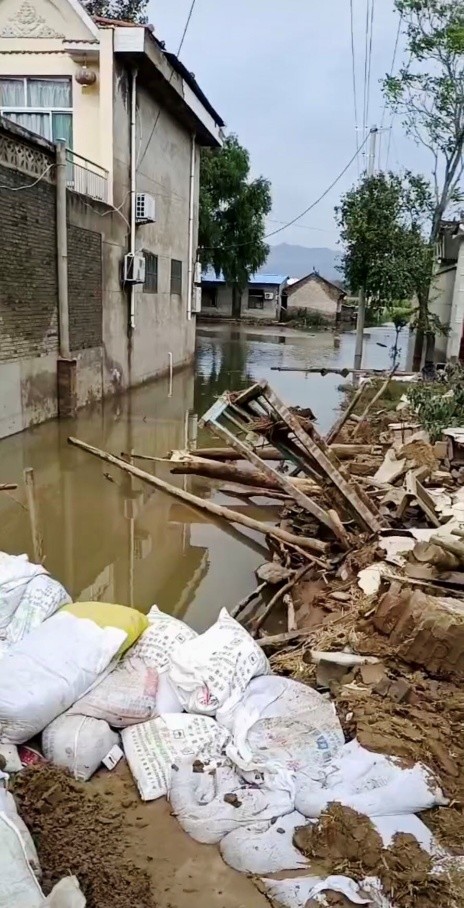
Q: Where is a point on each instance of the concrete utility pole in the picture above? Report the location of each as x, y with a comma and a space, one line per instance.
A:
62, 249
362, 296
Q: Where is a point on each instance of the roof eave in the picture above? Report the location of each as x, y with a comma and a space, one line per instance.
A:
140, 49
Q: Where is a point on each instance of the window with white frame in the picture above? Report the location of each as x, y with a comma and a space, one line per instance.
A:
42, 105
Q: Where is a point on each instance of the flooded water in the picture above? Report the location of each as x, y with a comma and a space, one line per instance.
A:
108, 536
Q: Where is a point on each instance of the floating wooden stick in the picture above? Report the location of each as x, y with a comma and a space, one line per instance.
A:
303, 542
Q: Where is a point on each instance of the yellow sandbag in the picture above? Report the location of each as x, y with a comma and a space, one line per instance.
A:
106, 614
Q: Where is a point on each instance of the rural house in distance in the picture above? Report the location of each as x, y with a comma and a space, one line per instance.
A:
98, 286
262, 299
315, 294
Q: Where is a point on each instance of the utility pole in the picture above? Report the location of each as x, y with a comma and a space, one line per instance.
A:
362, 296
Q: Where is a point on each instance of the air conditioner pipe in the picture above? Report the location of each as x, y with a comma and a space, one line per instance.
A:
133, 153
190, 228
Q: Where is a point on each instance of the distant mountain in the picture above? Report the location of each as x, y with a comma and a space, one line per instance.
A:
297, 261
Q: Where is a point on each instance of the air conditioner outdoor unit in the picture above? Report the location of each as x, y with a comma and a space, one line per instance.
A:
269, 295
134, 268
196, 300
145, 208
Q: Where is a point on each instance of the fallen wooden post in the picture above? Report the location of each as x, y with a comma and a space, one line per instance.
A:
266, 452
37, 543
236, 611
342, 419
374, 400
8, 486
303, 542
259, 621
231, 472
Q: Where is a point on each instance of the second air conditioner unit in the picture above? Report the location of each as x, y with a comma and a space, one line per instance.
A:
269, 295
145, 208
196, 300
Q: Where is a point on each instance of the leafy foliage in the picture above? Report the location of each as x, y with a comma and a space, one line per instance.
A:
401, 317
429, 93
127, 10
381, 223
440, 406
232, 213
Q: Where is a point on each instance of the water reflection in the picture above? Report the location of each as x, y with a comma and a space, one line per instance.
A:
109, 536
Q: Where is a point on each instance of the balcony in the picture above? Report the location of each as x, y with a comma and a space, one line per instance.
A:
86, 178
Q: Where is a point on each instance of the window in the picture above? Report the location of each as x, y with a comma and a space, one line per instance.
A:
176, 277
209, 298
151, 273
256, 299
43, 106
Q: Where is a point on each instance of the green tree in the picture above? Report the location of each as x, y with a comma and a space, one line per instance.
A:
232, 216
127, 10
381, 228
429, 93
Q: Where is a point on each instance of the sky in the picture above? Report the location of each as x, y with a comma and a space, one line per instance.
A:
280, 74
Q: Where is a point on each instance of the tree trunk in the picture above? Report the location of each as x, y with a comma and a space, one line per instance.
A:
418, 348
236, 301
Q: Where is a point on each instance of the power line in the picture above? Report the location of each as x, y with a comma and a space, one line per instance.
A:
392, 69
301, 226
302, 213
353, 75
368, 88
181, 44
366, 51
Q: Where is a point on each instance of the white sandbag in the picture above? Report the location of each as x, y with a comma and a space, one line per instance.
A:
125, 697
167, 700
18, 885
8, 807
157, 644
45, 673
372, 784
295, 893
282, 723
78, 744
210, 804
66, 894
28, 595
11, 757
265, 849
214, 669
152, 748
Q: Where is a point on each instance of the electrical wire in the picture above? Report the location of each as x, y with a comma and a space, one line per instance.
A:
392, 69
366, 52
353, 75
302, 213
368, 87
29, 185
181, 44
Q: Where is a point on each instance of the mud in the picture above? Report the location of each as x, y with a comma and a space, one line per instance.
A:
77, 831
349, 844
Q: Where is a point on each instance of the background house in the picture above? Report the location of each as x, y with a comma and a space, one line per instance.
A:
261, 299
133, 120
315, 294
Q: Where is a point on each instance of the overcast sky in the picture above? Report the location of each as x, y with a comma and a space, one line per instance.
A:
279, 72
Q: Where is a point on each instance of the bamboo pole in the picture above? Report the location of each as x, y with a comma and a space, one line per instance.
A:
37, 542
303, 542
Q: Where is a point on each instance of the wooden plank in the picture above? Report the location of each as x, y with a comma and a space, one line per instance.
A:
364, 514
31, 498
425, 501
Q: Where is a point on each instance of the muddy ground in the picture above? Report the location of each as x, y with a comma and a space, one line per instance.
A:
126, 854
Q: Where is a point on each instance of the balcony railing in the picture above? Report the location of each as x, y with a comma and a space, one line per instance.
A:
86, 178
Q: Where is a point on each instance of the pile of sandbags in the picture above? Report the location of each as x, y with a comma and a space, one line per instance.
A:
28, 595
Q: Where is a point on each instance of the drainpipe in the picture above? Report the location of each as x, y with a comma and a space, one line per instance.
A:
190, 228
62, 250
133, 154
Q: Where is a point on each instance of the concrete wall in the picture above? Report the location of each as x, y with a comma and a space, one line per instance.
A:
456, 318
441, 298
314, 295
223, 309
161, 322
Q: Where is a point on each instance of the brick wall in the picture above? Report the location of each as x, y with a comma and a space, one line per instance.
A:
84, 288
28, 281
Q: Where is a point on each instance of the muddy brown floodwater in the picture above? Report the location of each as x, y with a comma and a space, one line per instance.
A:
107, 536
